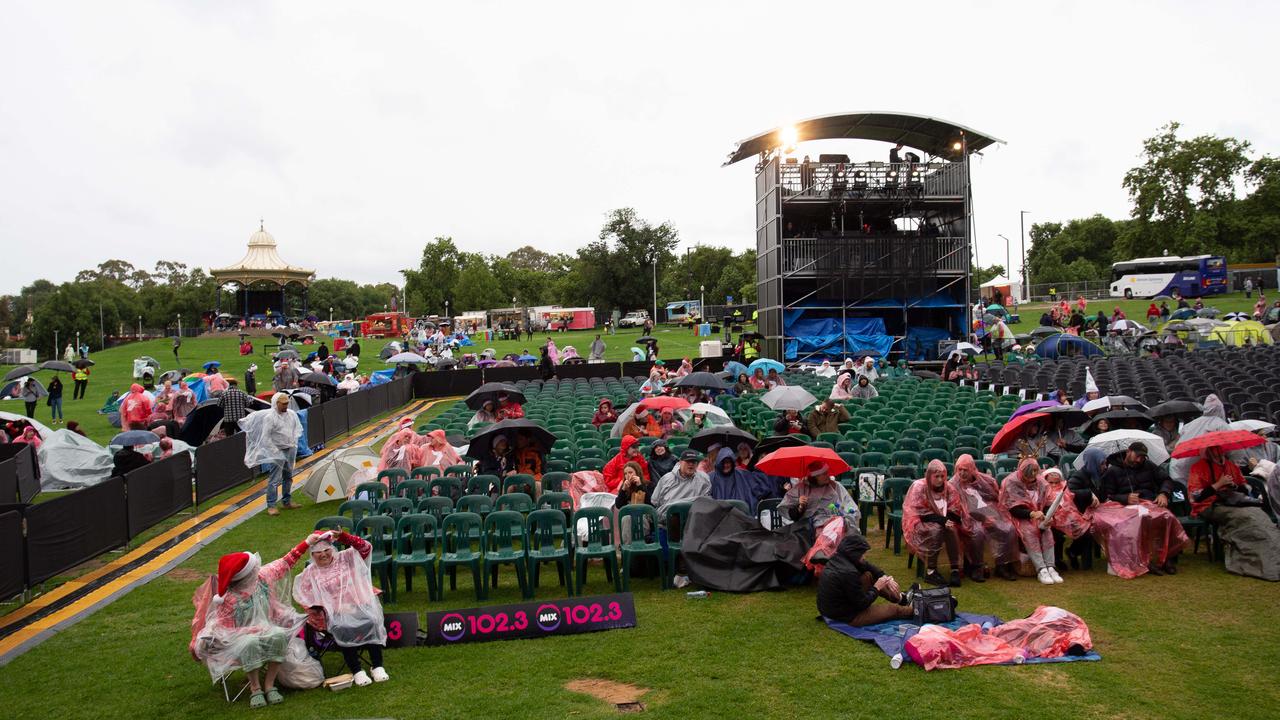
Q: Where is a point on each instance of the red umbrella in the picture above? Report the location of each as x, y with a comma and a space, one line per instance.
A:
1224, 440
664, 402
1012, 430
794, 461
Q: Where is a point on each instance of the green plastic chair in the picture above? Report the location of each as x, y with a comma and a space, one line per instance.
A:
476, 504
880, 445
425, 472
638, 522
548, 534
591, 464
910, 444
521, 483
456, 536
460, 471
599, 544
415, 547
412, 489
450, 487
376, 490
676, 522
560, 466
335, 522
395, 507
554, 481
437, 505
514, 501
393, 476
358, 509
482, 484
895, 491
503, 530
376, 530
934, 454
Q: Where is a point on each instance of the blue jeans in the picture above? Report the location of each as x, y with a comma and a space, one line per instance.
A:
55, 407
281, 474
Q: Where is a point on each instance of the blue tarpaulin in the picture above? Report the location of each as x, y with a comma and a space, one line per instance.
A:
826, 337
921, 343
379, 377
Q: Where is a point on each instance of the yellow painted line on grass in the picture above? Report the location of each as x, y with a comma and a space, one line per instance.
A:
137, 574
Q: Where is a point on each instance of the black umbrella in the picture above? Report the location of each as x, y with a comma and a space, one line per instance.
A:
317, 379
723, 435
1044, 331
488, 392
702, 380
482, 444
288, 355
1071, 414
1118, 419
84, 363
776, 442
1182, 409
201, 421
21, 371
57, 365
646, 339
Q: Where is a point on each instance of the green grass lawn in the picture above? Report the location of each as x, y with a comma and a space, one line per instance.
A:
1189, 646
114, 368
1029, 315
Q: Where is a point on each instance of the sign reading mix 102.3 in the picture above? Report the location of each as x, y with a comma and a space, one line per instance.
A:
531, 619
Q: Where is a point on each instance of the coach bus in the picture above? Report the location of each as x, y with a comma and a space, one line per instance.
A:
1191, 276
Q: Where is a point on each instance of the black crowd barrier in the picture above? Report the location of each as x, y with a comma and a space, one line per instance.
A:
511, 374
19, 473
586, 370
158, 490
76, 527
379, 399
315, 425
358, 408
335, 417
637, 369
13, 560
220, 466
446, 382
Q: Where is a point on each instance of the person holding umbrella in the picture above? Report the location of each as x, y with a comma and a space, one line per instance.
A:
816, 498
126, 460
1220, 496
508, 408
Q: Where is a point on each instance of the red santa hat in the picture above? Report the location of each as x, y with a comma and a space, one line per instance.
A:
235, 567
406, 423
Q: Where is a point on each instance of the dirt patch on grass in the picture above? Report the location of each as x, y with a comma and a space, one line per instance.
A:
180, 574
624, 696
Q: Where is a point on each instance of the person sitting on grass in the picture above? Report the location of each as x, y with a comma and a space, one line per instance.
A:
337, 593
932, 515
849, 586
1025, 495
250, 621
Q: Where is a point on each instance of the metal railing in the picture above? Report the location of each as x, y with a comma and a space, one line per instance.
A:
823, 181
873, 255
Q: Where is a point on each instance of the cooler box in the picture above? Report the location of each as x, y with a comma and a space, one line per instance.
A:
710, 348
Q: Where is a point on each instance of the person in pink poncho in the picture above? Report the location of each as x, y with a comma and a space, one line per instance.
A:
135, 409
1025, 495
1067, 520
435, 451
336, 591
932, 515
214, 382
400, 451
987, 524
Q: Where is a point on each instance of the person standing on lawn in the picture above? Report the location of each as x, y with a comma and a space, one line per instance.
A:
81, 378
31, 394
271, 441
55, 400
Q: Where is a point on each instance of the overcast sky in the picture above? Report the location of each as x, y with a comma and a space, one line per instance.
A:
148, 130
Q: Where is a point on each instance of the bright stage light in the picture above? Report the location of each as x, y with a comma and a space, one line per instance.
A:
789, 135
956, 146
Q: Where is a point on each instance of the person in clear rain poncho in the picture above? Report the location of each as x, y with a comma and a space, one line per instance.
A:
244, 620
932, 516
986, 523
271, 441
1025, 495
337, 593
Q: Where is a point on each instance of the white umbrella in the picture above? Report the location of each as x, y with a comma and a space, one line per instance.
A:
715, 416
1202, 323
623, 418
965, 347
338, 474
1237, 316
1118, 440
788, 397
1112, 401
1126, 325
1253, 426
406, 357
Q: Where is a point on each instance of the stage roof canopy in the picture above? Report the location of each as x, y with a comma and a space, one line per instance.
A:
931, 135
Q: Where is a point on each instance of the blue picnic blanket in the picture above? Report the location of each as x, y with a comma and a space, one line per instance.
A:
890, 637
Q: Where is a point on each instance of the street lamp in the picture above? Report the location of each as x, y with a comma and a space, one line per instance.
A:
1007, 261
179, 324
702, 302
1022, 223
330, 314
139, 327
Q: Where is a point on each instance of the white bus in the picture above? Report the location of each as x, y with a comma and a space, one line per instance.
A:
1190, 276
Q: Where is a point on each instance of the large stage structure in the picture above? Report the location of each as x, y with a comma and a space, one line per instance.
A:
863, 257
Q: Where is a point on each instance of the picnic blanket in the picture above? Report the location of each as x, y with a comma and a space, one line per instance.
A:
1050, 634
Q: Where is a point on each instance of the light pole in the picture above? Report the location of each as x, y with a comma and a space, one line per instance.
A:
179, 324
330, 314
702, 303
655, 289
1007, 256
139, 327
1022, 224
55, 344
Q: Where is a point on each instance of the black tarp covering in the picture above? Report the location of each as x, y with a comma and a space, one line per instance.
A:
728, 550
158, 490
220, 466
13, 568
66, 531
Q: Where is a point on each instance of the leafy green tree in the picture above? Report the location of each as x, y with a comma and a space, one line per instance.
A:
477, 288
1260, 211
435, 278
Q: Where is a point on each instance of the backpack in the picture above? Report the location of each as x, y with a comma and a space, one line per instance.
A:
933, 605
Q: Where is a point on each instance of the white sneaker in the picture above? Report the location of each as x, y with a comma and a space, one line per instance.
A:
362, 679
380, 675
1044, 577
1053, 573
